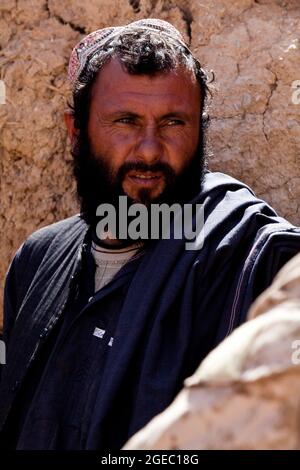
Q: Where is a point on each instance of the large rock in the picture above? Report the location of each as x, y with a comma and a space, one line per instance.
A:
245, 394
255, 135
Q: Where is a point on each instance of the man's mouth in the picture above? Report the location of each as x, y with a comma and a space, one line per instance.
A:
146, 178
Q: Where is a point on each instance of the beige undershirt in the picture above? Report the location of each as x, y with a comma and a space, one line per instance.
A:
109, 262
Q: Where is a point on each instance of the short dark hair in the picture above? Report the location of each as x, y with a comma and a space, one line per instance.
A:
139, 52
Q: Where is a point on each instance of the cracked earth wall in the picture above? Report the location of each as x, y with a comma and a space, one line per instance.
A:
252, 46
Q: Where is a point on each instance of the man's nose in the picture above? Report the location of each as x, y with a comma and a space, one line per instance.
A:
149, 147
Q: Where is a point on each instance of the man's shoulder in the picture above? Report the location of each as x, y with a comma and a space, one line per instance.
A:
61, 232
217, 181
59, 228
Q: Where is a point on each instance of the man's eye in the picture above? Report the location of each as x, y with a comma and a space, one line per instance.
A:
174, 122
126, 120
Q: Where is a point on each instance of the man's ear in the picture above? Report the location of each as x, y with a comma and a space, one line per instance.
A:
69, 121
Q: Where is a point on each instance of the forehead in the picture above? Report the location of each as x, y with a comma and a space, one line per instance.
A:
114, 87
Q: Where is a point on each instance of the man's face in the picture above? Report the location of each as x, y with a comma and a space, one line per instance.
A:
143, 130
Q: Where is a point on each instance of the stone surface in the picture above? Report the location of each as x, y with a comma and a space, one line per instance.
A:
252, 46
245, 394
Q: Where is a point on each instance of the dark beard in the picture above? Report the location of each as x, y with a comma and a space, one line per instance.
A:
89, 170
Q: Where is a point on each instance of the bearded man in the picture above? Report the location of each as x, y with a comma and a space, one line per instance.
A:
101, 331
